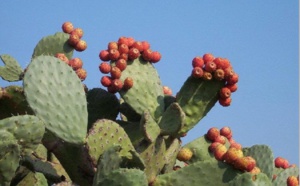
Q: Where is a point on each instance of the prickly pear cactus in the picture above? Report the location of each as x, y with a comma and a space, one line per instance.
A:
56, 131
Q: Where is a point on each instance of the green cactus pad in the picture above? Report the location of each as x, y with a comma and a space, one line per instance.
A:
12, 71
172, 120
27, 130
147, 92
101, 104
153, 155
133, 131
104, 134
53, 44
169, 100
33, 179
9, 157
37, 165
55, 93
171, 154
127, 113
124, 177
109, 160
196, 97
149, 127
248, 179
13, 102
263, 156
283, 176
201, 173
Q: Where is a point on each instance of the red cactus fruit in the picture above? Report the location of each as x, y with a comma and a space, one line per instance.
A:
246, 163
184, 154
80, 46
236, 145
117, 84
121, 64
281, 162
208, 57
197, 72
212, 147
76, 63
146, 45
220, 139
124, 56
81, 73
155, 57
123, 40
106, 81
233, 154
207, 76
130, 41
225, 102
128, 83
220, 151
115, 73
167, 90
292, 181
105, 67
138, 45
147, 54
111, 89
232, 87
198, 62
112, 45
225, 93
226, 132
219, 74
78, 31
73, 39
255, 170
104, 55
67, 27
123, 49
233, 79
114, 54
212, 133
62, 57
222, 63
228, 72
210, 66
133, 53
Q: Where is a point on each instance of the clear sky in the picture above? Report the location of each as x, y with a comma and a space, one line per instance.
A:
260, 38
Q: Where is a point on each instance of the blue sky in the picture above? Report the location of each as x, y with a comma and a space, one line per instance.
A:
260, 38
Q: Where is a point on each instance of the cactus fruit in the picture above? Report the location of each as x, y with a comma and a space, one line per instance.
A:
54, 130
184, 154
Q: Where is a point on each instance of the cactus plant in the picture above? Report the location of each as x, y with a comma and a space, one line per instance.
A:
56, 131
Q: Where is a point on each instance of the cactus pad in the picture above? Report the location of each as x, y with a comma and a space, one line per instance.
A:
53, 44
248, 179
147, 92
27, 130
60, 100
263, 156
201, 173
103, 135
172, 120
196, 97
149, 127
12, 71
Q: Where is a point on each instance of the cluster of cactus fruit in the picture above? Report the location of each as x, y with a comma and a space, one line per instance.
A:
55, 132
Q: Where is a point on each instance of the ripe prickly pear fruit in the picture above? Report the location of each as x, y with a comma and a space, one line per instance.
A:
184, 154
128, 83
220, 151
67, 27
232, 155
212, 133
226, 132
281, 162
246, 163
167, 90
80, 46
292, 181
